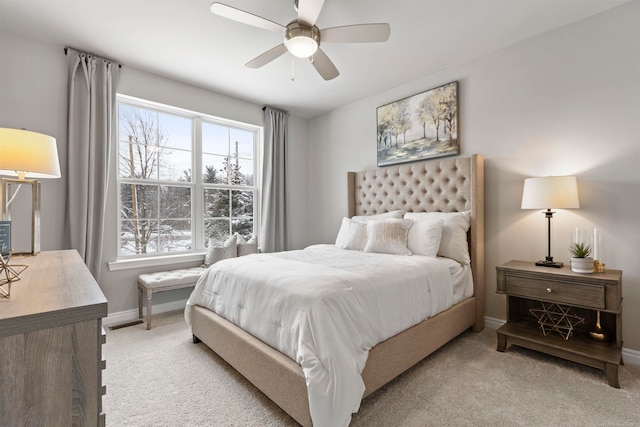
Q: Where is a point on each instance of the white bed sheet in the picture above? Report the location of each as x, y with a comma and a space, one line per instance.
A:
462, 278
325, 308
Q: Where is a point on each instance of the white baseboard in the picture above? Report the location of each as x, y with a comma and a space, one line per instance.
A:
492, 322
130, 315
632, 357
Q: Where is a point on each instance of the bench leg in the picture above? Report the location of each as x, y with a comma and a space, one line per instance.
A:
139, 302
149, 294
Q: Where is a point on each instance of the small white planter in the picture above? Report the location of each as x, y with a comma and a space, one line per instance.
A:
582, 265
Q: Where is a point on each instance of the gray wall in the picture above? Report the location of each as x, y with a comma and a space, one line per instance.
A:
564, 103
33, 95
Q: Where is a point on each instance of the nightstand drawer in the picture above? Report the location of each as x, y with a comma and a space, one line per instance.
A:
592, 296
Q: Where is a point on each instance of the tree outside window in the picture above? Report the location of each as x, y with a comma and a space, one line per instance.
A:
157, 186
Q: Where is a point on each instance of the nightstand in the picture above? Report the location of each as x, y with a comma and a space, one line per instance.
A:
528, 287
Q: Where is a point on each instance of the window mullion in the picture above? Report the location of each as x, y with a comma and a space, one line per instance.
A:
158, 220
197, 198
229, 163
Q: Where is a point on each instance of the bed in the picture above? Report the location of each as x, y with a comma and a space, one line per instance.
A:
443, 185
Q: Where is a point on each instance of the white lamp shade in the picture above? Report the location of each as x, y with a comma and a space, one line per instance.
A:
551, 192
33, 153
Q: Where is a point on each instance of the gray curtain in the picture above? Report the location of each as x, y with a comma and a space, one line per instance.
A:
273, 220
91, 112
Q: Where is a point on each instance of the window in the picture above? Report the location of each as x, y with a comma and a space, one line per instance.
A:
164, 207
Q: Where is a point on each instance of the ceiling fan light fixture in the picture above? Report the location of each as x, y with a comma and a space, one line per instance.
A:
302, 36
300, 40
302, 47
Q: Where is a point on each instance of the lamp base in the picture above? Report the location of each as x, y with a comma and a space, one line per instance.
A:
549, 264
5, 194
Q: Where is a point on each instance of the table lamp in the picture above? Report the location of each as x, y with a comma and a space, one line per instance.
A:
552, 192
26, 155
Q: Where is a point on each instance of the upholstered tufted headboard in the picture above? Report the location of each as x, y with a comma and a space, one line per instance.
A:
441, 185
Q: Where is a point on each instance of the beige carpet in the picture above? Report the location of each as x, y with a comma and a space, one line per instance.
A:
160, 378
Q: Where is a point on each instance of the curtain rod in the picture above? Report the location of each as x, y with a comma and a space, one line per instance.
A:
89, 53
276, 109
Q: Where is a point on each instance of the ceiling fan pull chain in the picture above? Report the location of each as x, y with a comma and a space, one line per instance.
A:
293, 69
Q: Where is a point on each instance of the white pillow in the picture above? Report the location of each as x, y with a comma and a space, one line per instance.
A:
424, 236
342, 239
379, 217
357, 238
246, 247
453, 243
388, 236
216, 253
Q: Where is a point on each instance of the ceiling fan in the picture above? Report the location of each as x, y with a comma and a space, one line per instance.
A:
302, 37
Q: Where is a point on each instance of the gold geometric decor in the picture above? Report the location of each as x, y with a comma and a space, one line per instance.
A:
9, 274
556, 317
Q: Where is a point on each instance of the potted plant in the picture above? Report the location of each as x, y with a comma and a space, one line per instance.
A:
581, 262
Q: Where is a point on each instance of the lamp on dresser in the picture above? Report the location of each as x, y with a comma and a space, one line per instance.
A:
551, 192
27, 156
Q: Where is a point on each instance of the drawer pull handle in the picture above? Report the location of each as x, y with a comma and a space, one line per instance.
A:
549, 290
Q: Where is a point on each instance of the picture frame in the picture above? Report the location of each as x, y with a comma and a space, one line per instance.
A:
419, 127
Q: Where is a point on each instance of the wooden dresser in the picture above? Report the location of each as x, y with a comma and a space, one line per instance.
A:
51, 340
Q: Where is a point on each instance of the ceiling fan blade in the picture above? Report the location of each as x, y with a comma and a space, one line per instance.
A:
244, 17
309, 10
267, 57
323, 65
361, 33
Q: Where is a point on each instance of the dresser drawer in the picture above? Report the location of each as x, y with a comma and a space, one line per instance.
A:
591, 296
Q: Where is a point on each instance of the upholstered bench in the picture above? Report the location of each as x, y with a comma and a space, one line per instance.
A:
165, 281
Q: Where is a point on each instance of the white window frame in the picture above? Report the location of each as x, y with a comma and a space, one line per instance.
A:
197, 186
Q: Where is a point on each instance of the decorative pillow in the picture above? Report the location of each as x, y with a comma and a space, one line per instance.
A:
388, 236
246, 247
424, 236
453, 243
216, 253
357, 237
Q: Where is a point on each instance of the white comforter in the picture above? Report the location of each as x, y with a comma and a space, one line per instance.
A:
326, 308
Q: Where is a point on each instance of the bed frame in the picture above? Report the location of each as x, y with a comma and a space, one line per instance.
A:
444, 185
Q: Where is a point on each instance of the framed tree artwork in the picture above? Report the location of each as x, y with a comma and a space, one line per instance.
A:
419, 127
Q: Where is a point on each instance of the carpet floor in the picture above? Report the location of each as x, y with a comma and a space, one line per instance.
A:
160, 378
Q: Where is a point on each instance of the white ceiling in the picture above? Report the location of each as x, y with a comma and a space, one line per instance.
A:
181, 39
